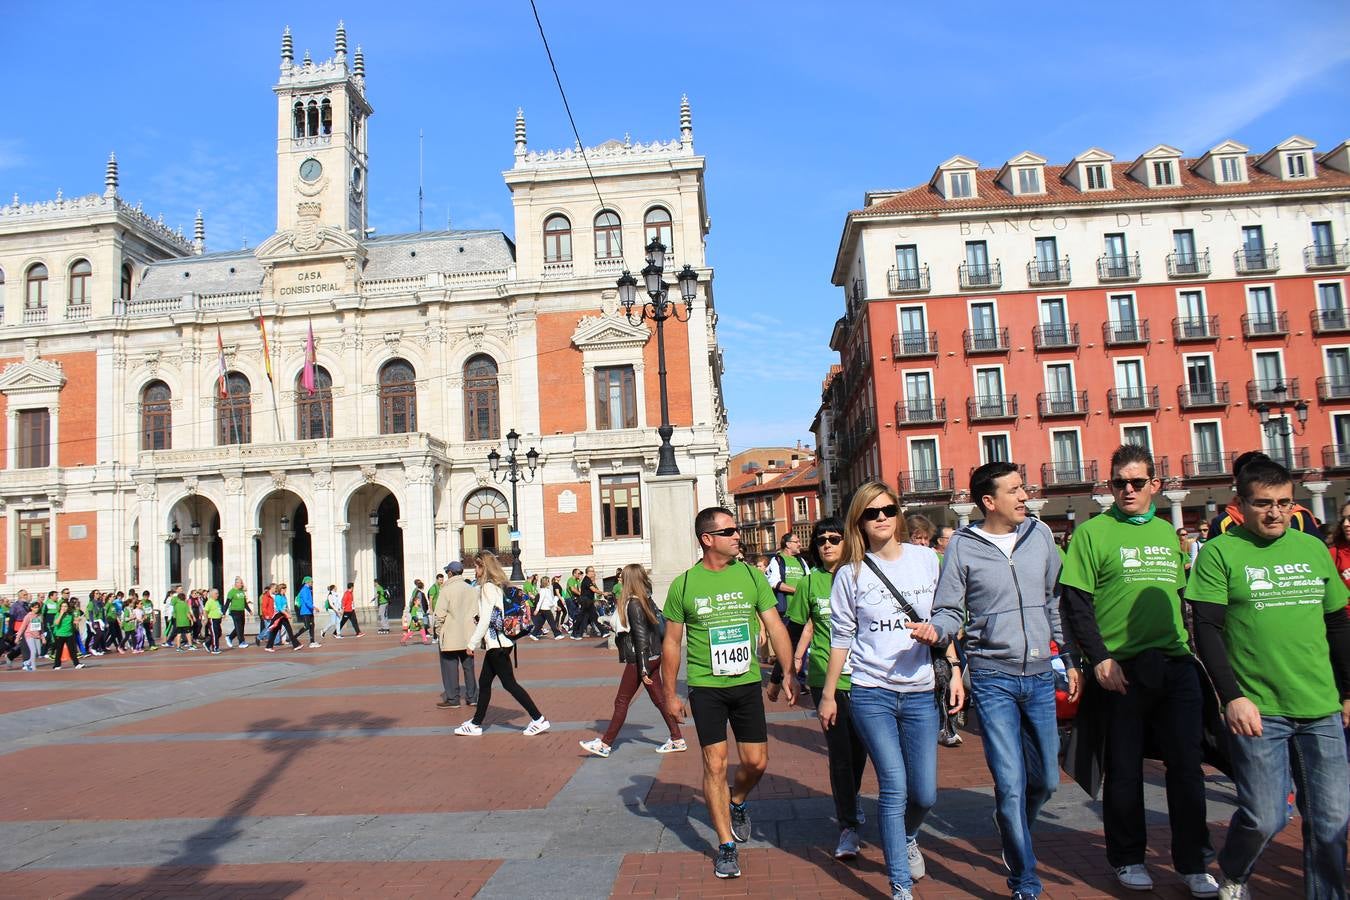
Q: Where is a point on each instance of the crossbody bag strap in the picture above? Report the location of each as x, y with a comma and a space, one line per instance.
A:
899, 598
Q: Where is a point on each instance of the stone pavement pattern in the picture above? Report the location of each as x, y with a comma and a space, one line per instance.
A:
330, 773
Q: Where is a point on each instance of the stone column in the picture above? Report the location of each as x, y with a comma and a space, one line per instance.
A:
153, 541
670, 507
1176, 498
1104, 501
419, 535
963, 511
236, 536
327, 561
1034, 506
1318, 491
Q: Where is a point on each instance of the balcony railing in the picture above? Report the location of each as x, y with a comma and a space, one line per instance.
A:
1333, 387
1062, 403
1295, 459
1330, 321
35, 316
914, 343
1326, 256
1117, 333
1251, 260
1271, 390
1118, 268
1208, 465
77, 312
1336, 456
1135, 399
984, 408
1195, 328
985, 340
1199, 396
559, 269
1048, 271
980, 275
1063, 474
908, 281
1188, 265
1055, 336
926, 482
1271, 324
926, 411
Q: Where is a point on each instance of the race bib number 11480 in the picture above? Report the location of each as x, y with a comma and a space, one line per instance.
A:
730, 648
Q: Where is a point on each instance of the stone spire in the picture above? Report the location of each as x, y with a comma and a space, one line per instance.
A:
287, 49
340, 42
307, 62
198, 235
359, 68
110, 177
686, 123
520, 132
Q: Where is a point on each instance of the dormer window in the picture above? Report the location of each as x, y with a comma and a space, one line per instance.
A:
1095, 177
959, 182
1163, 173
1231, 169
1296, 165
1028, 181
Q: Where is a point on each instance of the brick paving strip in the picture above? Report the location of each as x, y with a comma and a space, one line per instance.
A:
500, 815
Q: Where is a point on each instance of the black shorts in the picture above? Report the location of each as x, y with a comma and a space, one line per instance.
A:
741, 705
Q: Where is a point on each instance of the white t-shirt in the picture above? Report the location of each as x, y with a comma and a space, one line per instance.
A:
1004, 542
546, 599
866, 620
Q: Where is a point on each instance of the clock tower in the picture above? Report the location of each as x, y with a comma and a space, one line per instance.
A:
321, 141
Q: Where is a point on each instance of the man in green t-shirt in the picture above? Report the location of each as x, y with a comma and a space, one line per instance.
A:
236, 603
1121, 608
433, 593
182, 621
721, 604
212, 613
1271, 629
382, 606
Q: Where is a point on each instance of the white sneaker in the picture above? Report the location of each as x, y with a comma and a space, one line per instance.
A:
316, 645
916, 866
1233, 890
468, 729
1201, 884
673, 746
1135, 877
538, 726
560, 637
596, 747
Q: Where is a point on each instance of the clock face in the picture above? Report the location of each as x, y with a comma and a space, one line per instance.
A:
310, 170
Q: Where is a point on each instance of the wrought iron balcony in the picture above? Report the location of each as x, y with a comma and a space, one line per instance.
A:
988, 407
1201, 396
1048, 271
1330, 321
1336, 456
1129, 400
1251, 260
1326, 256
1208, 465
1120, 332
980, 275
1333, 387
1118, 268
1295, 459
926, 483
1188, 265
1062, 403
1271, 390
1195, 328
1258, 325
922, 411
908, 281
1063, 474
909, 344
986, 340
1055, 336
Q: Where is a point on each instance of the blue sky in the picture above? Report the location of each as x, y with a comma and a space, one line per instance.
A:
798, 107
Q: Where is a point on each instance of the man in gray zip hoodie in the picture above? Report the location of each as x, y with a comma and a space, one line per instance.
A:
998, 581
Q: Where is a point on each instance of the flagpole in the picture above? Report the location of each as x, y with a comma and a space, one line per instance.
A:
267, 366
314, 369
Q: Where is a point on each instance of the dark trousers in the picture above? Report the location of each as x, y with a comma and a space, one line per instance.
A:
497, 664
452, 661
848, 760
628, 688
307, 624
175, 630
794, 635
348, 617
1163, 697
67, 641
274, 627
48, 639
213, 634
237, 616
588, 616
542, 617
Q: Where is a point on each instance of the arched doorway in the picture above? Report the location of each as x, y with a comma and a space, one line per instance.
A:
195, 549
375, 545
487, 525
283, 549
389, 553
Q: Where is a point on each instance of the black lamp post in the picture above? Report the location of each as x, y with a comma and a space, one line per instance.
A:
658, 308
513, 473
1276, 426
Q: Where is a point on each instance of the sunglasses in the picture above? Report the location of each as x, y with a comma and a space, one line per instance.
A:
833, 540
872, 513
1137, 483
724, 532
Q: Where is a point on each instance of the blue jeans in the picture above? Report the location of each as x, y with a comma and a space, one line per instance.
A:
900, 733
1021, 746
1316, 750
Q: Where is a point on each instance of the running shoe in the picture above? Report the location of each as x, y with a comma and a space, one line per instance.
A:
538, 726
1201, 884
534, 637
673, 746
468, 729
848, 845
296, 646
740, 822
727, 864
1135, 877
316, 645
79, 665
596, 747
916, 867
1233, 890
560, 637
899, 892
270, 649
56, 668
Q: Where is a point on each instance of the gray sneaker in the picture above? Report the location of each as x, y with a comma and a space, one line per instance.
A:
916, 867
1233, 890
727, 864
847, 847
740, 823
900, 893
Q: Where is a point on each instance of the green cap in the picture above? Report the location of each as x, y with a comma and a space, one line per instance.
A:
307, 580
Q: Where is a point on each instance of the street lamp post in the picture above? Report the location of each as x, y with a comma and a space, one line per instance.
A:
514, 474
659, 308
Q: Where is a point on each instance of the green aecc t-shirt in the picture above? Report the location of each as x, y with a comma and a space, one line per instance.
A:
1277, 593
815, 589
794, 570
237, 599
720, 612
182, 614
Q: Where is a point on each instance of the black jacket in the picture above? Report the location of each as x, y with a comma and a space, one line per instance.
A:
641, 641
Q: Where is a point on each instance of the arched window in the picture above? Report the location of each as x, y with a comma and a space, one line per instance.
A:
35, 287
608, 236
481, 420
656, 224
2, 288
326, 117
557, 239
398, 397
314, 412
126, 282
234, 411
299, 119
312, 119
486, 525
156, 417
79, 282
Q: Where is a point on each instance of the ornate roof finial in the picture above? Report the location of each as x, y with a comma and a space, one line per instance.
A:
110, 177
287, 49
199, 235
340, 42
307, 62
686, 123
359, 69
520, 131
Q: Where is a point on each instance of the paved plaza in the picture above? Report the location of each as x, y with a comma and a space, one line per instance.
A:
330, 772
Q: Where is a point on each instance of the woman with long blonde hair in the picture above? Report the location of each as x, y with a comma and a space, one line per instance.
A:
490, 636
640, 630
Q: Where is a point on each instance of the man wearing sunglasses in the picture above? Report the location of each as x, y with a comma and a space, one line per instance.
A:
1300, 517
722, 602
1121, 604
1271, 629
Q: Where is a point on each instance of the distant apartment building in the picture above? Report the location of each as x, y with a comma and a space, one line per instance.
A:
776, 490
1045, 314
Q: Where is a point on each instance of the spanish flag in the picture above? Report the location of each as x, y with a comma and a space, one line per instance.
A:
223, 380
267, 352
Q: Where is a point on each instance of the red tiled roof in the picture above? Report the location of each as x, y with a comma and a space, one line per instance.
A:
804, 476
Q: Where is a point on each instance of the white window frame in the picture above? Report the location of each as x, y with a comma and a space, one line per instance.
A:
1086, 179
1218, 425
1168, 166
972, 302
1240, 175
1045, 373
975, 381
954, 178
1078, 436
911, 440
981, 435
1035, 173
1040, 307
932, 383
1185, 364
1304, 162
1274, 296
1182, 310
1147, 426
